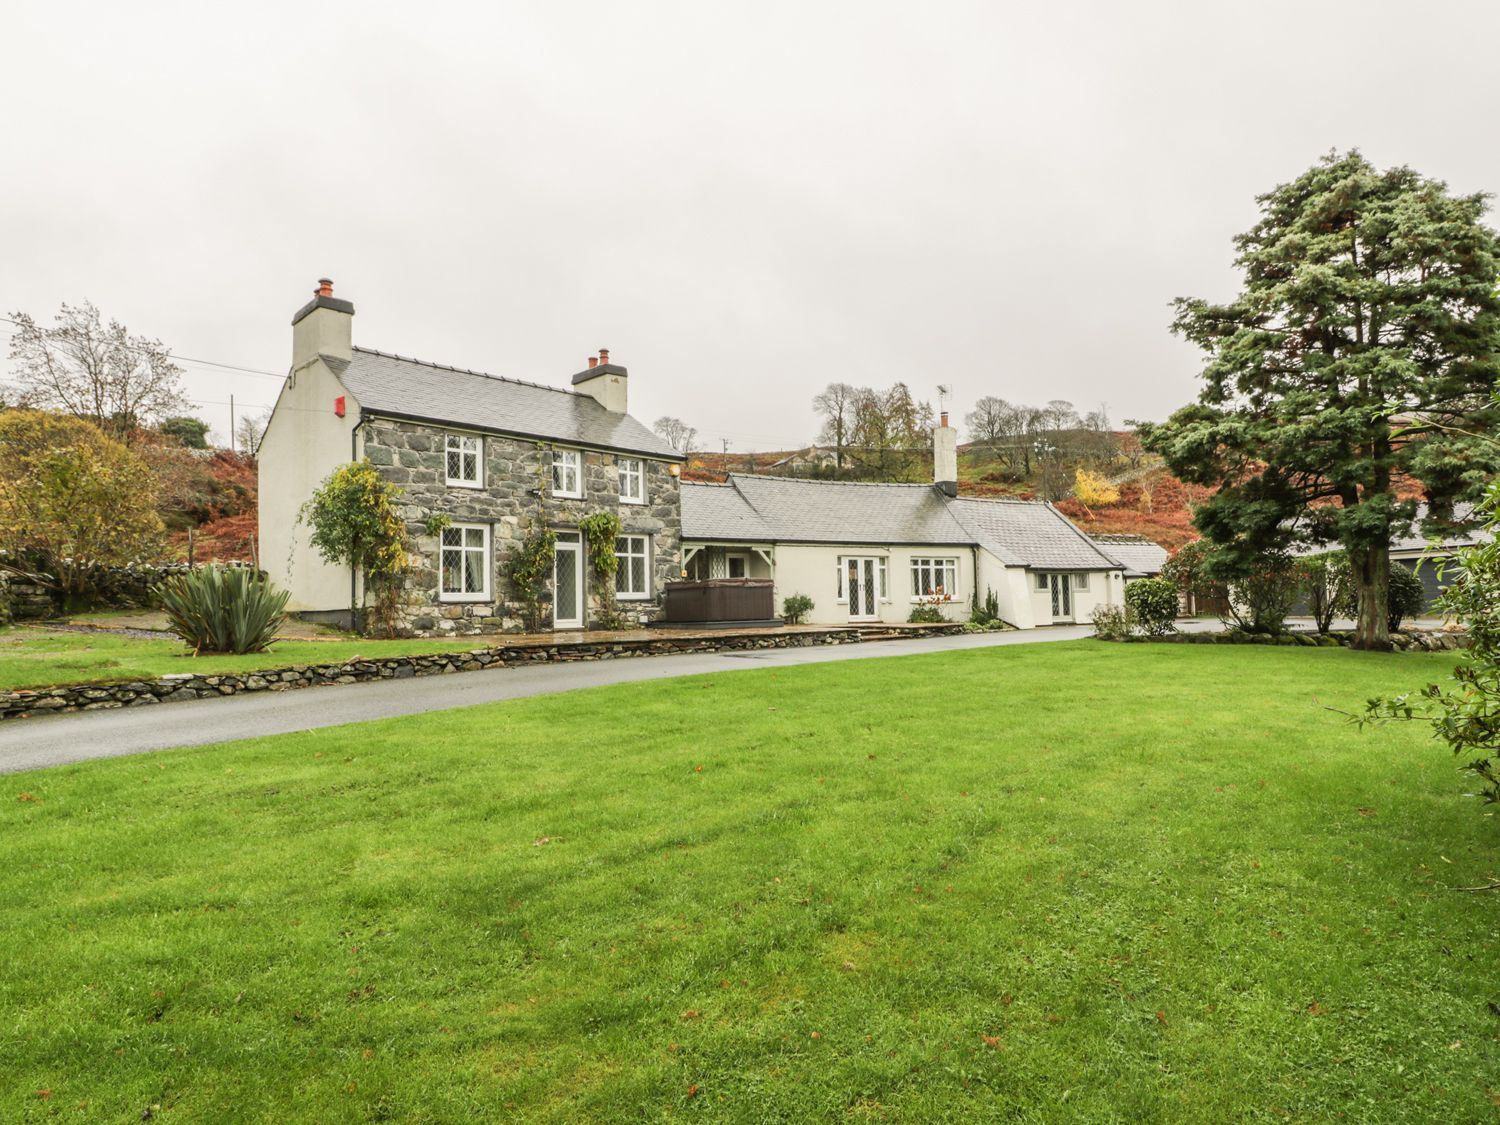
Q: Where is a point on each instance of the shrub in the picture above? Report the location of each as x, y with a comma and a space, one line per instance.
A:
1153, 605
224, 608
794, 610
1406, 598
355, 523
926, 614
1263, 594
1112, 622
1465, 711
1328, 585
986, 612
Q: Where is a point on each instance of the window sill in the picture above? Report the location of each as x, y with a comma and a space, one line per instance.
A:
465, 484
633, 503
632, 597
566, 495
470, 599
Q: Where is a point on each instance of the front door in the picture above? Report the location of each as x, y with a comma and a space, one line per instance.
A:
567, 582
1062, 598
861, 577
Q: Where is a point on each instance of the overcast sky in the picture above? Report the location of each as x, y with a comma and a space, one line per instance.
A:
743, 201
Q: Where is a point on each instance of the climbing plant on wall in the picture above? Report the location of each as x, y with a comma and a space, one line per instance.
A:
530, 568
600, 531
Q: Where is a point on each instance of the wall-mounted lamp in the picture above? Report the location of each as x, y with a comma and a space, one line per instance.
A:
675, 470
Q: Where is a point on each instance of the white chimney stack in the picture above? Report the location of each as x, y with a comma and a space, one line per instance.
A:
945, 456
323, 326
604, 382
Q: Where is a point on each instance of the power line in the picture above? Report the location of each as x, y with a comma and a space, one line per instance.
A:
190, 359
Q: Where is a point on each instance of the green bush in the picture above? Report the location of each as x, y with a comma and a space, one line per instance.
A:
926, 614
794, 610
986, 612
1152, 603
1406, 597
1111, 622
224, 608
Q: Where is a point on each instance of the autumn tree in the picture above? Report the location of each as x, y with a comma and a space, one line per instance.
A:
72, 499
1093, 490
93, 371
677, 433
1361, 349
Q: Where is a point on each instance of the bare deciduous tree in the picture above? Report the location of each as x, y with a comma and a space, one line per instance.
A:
678, 434
249, 430
94, 371
836, 404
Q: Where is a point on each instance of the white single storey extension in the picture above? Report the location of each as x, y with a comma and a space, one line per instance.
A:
872, 552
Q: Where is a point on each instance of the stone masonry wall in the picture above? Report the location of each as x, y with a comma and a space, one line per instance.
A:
413, 457
188, 686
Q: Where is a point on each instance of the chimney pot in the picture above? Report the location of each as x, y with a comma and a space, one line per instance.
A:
603, 355
944, 417
593, 361
325, 287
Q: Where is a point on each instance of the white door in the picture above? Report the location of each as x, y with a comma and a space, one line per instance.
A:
861, 582
567, 582
1062, 598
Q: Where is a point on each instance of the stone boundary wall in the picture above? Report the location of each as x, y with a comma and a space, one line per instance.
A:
1408, 640
187, 685
29, 597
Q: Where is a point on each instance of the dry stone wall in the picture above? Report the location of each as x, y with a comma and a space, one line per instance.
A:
188, 686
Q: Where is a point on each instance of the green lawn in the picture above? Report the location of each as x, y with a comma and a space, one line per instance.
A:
32, 658
1042, 883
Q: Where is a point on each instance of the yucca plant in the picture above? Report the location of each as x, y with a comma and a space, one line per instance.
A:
224, 608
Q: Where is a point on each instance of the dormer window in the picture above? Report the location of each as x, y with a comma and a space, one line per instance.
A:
465, 457
567, 473
632, 480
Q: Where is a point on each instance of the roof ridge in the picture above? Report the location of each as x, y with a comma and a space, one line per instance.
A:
1004, 500
816, 480
1078, 531
469, 371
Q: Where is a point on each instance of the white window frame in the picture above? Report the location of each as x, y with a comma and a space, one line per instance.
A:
1080, 581
883, 595
622, 568
465, 445
482, 595
933, 566
1043, 581
562, 461
632, 468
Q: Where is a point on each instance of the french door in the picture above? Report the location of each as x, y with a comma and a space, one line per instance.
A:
862, 582
567, 582
1062, 597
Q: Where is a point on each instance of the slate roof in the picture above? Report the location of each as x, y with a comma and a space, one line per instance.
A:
822, 511
1031, 534
1446, 538
719, 511
1142, 557
779, 509
411, 388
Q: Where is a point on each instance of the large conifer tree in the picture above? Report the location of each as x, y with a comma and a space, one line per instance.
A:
1363, 348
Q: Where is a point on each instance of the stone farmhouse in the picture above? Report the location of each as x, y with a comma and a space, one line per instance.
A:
490, 454
480, 460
